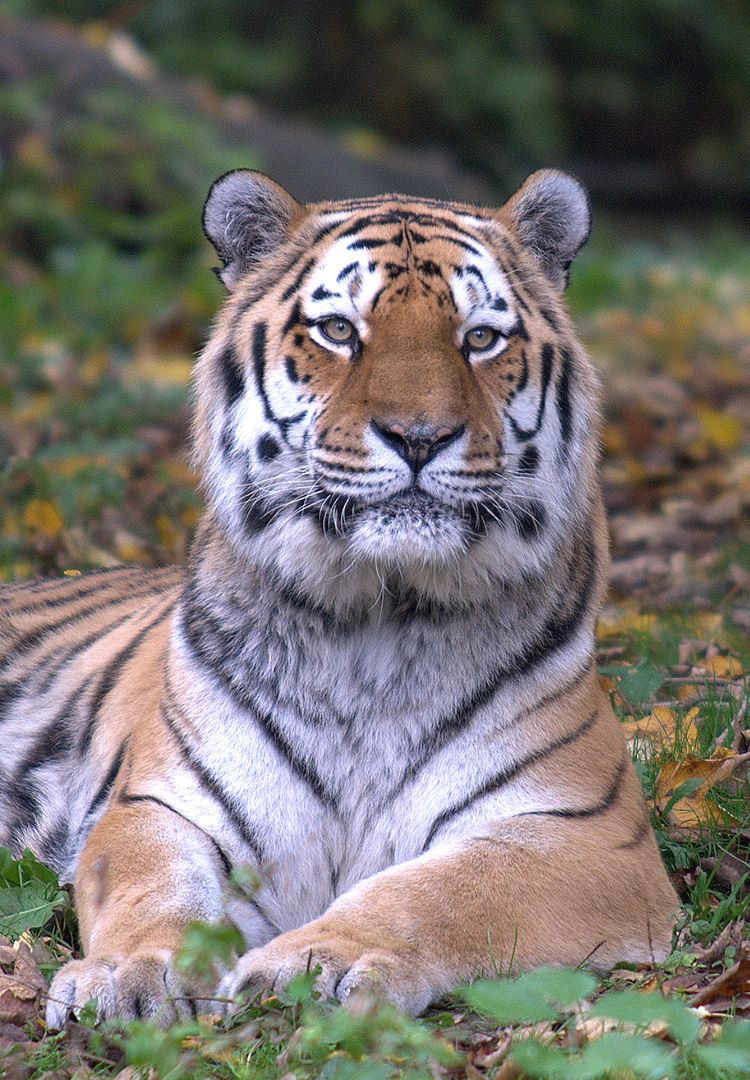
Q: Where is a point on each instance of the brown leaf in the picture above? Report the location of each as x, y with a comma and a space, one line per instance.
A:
731, 983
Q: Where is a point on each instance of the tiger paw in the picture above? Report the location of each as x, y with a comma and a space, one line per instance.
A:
142, 986
343, 967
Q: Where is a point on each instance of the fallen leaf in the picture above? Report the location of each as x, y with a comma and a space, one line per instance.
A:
42, 516
661, 726
732, 982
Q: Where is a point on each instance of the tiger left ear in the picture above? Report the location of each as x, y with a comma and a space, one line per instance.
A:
246, 217
552, 217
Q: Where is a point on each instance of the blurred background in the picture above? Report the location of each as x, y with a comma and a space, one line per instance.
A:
115, 118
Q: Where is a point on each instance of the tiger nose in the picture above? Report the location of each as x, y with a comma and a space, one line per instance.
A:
419, 444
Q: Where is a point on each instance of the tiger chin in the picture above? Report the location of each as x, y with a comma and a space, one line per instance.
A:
373, 684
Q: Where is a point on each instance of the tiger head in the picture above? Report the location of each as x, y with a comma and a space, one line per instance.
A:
393, 396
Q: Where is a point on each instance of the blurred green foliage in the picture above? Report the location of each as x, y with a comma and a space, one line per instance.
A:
630, 89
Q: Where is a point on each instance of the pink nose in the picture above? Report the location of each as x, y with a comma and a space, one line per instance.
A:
419, 444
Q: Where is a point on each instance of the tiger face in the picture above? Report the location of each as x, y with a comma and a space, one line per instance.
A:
393, 397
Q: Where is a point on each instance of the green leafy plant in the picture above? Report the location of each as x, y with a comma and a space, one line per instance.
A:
551, 999
30, 894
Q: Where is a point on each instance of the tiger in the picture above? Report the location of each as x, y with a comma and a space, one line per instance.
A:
372, 687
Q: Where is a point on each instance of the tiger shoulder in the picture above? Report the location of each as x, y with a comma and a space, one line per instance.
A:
373, 684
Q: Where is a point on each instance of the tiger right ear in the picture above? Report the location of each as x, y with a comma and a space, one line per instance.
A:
246, 216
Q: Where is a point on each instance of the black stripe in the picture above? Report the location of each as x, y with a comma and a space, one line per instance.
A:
554, 635
127, 798
390, 217
519, 298
257, 512
292, 289
347, 271
32, 638
293, 319
54, 662
110, 676
72, 588
640, 834
53, 744
547, 360
209, 641
529, 519
561, 692
549, 318
528, 463
563, 395
598, 808
105, 788
259, 366
214, 787
495, 783
464, 244
368, 243
51, 847
232, 374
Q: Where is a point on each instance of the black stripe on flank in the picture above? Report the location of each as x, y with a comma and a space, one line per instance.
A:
598, 808
32, 638
126, 798
110, 675
232, 374
214, 787
563, 395
495, 783
53, 663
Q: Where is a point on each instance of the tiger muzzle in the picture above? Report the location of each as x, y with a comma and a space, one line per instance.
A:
418, 444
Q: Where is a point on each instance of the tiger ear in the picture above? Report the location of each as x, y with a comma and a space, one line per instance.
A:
552, 217
246, 216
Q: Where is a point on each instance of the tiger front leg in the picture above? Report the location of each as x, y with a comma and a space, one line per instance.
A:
421, 929
144, 874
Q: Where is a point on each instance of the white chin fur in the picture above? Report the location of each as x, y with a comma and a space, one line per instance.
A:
402, 540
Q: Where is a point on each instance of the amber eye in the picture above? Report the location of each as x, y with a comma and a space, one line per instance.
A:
481, 338
338, 330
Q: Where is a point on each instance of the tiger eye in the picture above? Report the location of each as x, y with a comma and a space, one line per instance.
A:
481, 338
339, 330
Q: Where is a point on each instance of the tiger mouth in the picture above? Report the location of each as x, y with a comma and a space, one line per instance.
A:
339, 515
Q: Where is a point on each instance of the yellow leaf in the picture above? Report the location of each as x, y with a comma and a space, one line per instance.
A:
41, 516
626, 621
168, 534
722, 667
661, 727
696, 810
725, 432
